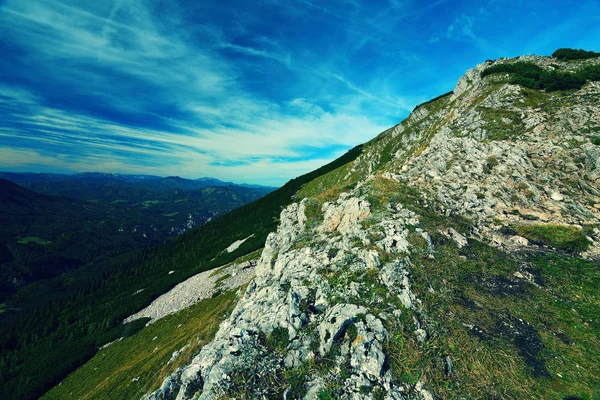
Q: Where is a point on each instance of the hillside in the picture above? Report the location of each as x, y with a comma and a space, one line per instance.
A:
61, 222
455, 257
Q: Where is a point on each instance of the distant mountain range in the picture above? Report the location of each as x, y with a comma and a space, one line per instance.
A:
151, 181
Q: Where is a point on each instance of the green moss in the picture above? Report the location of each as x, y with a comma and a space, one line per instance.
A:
560, 237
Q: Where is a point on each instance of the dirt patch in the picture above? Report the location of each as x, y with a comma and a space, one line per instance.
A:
525, 337
499, 285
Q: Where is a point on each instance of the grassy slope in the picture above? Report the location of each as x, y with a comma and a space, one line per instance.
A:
136, 365
507, 337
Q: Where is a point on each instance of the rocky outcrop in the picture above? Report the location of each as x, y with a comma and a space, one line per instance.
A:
294, 291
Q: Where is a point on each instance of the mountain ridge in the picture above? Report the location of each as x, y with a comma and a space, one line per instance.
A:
102, 177
467, 206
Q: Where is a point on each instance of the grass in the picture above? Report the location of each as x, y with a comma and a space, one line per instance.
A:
34, 239
471, 298
488, 362
221, 279
501, 124
2, 307
560, 237
137, 365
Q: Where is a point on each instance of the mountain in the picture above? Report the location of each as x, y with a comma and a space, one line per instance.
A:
455, 255
87, 305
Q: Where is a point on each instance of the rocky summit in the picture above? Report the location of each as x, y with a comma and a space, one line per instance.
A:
455, 257
452, 259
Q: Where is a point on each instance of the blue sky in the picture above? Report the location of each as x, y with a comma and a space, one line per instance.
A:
248, 91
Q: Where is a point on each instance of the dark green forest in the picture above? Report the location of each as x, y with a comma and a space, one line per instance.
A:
44, 235
51, 327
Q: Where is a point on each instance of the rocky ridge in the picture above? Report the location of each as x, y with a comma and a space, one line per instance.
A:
334, 287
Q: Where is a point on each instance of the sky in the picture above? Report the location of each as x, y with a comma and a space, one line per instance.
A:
245, 91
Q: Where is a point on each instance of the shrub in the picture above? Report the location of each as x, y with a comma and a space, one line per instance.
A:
491, 162
572, 54
257, 373
532, 76
278, 339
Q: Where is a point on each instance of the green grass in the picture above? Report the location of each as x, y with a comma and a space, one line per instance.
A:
560, 237
482, 292
113, 373
34, 239
555, 355
221, 279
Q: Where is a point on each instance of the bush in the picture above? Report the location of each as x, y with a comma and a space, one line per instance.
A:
572, 54
278, 339
534, 77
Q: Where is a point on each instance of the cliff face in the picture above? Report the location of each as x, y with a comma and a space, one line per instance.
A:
456, 257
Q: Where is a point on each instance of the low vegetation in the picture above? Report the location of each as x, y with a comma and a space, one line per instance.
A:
535, 77
560, 237
573, 54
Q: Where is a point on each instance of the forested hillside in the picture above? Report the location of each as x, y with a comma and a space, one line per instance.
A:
51, 327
